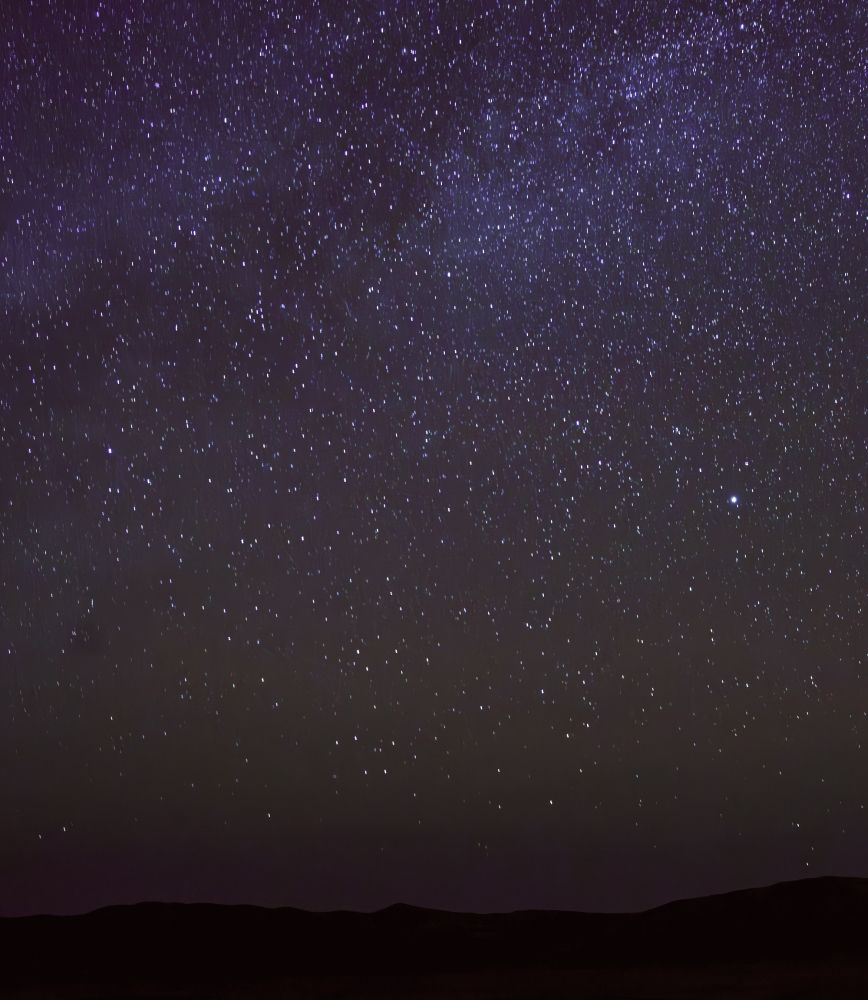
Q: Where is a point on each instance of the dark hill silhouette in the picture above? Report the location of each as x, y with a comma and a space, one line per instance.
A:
812, 934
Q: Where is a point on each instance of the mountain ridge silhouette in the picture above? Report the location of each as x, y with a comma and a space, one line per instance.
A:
821, 922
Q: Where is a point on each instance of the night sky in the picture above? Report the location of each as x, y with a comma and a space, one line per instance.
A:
432, 451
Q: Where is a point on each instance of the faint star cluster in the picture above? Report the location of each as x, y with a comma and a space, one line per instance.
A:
433, 449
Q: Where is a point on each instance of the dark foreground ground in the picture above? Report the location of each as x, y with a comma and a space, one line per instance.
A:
797, 939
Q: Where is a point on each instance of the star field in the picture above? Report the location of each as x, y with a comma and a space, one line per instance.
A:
433, 451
